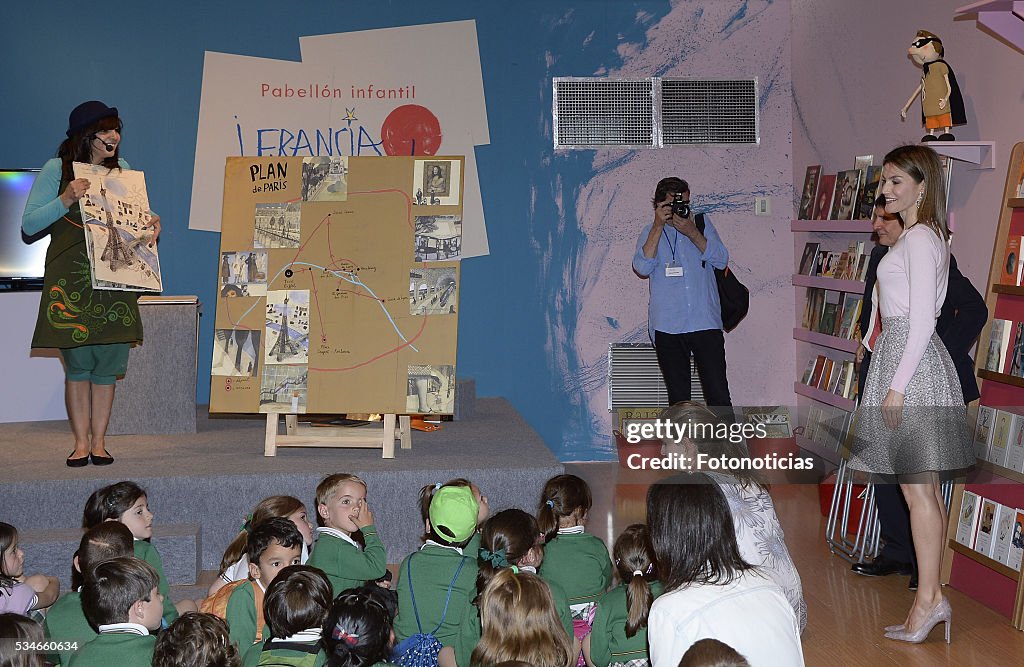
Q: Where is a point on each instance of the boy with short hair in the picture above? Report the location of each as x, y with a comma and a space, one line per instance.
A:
272, 546
439, 564
122, 600
294, 609
348, 549
65, 621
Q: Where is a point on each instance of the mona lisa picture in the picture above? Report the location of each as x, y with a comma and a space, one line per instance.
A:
437, 182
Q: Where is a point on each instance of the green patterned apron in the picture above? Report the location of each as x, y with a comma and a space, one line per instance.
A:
71, 313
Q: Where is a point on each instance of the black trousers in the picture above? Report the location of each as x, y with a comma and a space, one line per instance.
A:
893, 513
708, 349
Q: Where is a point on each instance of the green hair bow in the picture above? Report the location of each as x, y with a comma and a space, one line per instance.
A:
495, 558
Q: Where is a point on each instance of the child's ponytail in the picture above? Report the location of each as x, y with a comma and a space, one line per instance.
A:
505, 539
110, 502
634, 562
563, 495
356, 631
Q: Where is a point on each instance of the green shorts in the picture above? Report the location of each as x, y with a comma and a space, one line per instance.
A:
99, 364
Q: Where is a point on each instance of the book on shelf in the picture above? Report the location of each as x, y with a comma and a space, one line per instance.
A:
1015, 448
828, 264
815, 304
1003, 533
1009, 274
837, 372
986, 524
1016, 553
967, 523
1020, 180
841, 380
862, 271
826, 374
807, 261
808, 372
826, 187
819, 366
866, 209
851, 313
1000, 438
983, 431
844, 200
851, 389
808, 198
831, 313
842, 266
1015, 364
998, 343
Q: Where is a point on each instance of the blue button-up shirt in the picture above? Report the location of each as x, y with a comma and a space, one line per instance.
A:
686, 303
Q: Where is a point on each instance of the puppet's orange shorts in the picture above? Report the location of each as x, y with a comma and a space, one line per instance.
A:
936, 122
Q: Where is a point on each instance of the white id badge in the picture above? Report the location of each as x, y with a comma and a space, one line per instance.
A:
673, 271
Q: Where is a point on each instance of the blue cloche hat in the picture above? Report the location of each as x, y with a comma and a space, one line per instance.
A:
87, 113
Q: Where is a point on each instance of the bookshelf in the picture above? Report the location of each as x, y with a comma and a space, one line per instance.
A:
983, 578
836, 236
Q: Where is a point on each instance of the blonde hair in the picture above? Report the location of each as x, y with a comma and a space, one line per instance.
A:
328, 486
268, 508
519, 622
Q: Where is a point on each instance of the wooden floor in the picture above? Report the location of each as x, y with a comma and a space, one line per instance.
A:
846, 612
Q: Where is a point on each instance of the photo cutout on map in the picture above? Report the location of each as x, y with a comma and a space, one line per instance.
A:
277, 226
236, 352
284, 389
433, 291
243, 273
436, 183
324, 178
287, 326
438, 237
431, 390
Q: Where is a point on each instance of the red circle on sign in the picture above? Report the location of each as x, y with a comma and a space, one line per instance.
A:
411, 129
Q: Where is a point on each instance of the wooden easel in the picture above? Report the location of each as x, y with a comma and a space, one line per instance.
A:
370, 436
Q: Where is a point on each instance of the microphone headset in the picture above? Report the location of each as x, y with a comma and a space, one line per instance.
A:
106, 145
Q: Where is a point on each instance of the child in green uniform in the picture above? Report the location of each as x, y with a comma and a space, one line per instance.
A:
65, 622
347, 549
127, 502
619, 634
426, 577
511, 538
357, 631
574, 559
294, 609
273, 545
122, 600
427, 494
196, 640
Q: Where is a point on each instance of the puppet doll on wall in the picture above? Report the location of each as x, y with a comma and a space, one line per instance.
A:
942, 105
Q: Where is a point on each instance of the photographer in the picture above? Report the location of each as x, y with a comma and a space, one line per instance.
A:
684, 315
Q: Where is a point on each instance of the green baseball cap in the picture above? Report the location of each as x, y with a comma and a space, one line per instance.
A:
453, 512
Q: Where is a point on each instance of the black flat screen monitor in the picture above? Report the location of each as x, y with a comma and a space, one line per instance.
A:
21, 257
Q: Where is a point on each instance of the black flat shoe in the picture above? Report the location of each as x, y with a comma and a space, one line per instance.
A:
80, 462
98, 460
913, 582
882, 567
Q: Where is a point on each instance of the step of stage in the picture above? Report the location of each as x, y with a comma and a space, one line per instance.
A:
52, 551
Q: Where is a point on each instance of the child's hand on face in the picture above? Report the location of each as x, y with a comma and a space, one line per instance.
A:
364, 517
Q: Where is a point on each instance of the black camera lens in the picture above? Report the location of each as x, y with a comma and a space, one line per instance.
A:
680, 206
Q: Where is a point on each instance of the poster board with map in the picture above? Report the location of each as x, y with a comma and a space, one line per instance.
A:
322, 306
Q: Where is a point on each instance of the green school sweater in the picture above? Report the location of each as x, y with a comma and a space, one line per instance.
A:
432, 570
66, 622
252, 656
580, 564
241, 616
148, 553
608, 640
116, 648
344, 564
562, 605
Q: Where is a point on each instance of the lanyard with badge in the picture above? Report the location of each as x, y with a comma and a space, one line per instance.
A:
672, 270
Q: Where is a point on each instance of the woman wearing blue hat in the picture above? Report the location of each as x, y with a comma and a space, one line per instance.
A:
93, 329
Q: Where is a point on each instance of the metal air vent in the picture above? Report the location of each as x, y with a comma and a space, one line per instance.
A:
600, 112
634, 378
703, 111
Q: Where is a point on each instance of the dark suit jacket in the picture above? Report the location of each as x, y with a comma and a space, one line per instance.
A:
961, 320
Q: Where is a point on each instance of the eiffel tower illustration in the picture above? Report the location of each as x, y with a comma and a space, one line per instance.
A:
284, 345
115, 253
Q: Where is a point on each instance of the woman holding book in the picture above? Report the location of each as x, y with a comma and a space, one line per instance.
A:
93, 329
912, 422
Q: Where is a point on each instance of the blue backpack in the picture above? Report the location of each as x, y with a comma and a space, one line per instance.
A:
422, 648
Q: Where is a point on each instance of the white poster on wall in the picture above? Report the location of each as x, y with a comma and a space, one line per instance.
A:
415, 90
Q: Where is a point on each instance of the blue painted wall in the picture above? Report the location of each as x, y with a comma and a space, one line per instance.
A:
147, 60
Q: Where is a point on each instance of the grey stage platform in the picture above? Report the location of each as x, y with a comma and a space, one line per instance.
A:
201, 485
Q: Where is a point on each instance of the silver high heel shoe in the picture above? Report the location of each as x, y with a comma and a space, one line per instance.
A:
940, 613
